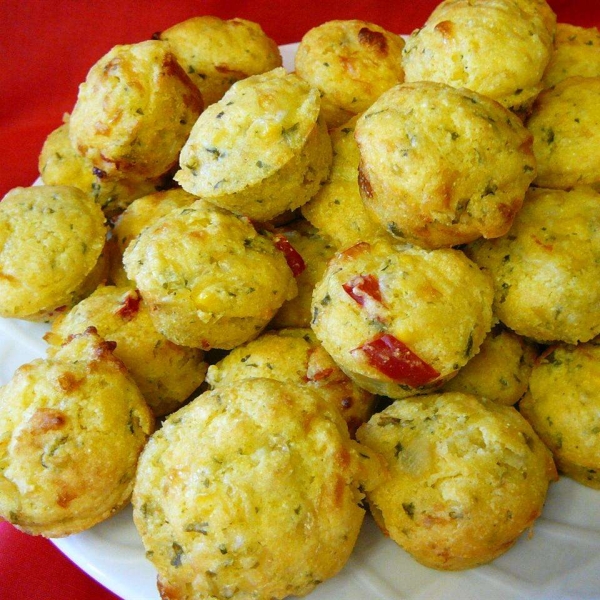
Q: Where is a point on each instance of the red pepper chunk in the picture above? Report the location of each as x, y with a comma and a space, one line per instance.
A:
292, 256
130, 306
397, 361
361, 286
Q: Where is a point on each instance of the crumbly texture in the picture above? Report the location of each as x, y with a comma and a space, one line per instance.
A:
134, 111
166, 373
315, 249
576, 53
261, 150
266, 506
437, 303
565, 124
51, 239
216, 53
72, 427
546, 269
61, 164
351, 63
468, 476
498, 48
295, 355
337, 209
441, 166
499, 371
562, 405
209, 278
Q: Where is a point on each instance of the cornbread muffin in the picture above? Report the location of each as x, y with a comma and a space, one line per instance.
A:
546, 270
260, 150
60, 164
498, 48
500, 371
399, 319
441, 166
563, 404
311, 250
165, 373
265, 507
468, 476
296, 356
217, 53
565, 124
51, 239
351, 63
337, 209
134, 111
576, 53
72, 427
207, 276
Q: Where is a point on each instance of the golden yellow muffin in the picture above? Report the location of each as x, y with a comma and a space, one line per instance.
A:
165, 373
498, 48
134, 111
576, 53
209, 279
265, 506
296, 356
565, 124
308, 253
468, 476
217, 53
546, 270
260, 150
337, 209
60, 164
399, 319
563, 404
351, 62
51, 239
72, 427
441, 166
500, 371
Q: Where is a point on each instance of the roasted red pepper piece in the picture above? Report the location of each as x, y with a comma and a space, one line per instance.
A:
292, 256
130, 306
361, 286
397, 361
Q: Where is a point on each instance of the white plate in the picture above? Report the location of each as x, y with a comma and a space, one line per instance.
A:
559, 560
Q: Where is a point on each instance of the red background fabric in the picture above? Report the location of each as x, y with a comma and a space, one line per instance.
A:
46, 49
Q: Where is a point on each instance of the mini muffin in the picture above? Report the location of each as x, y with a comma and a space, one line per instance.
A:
296, 356
51, 239
500, 371
217, 53
311, 251
351, 63
337, 209
260, 150
576, 53
134, 111
565, 124
546, 270
441, 166
208, 277
61, 164
498, 48
563, 404
165, 373
72, 427
266, 506
399, 319
468, 476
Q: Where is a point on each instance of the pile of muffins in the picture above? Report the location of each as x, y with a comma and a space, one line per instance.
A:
279, 299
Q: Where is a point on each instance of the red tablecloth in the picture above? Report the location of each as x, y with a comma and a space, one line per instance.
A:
46, 49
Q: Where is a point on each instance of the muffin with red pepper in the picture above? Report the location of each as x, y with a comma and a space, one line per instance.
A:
399, 319
295, 355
